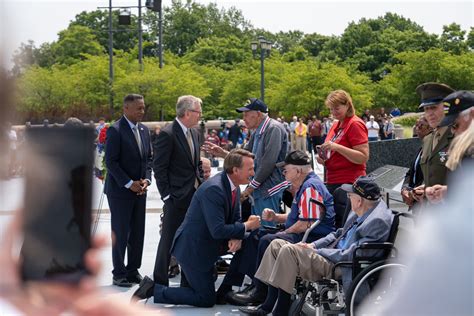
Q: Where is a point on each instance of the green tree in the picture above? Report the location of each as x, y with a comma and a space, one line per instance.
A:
223, 52
125, 37
452, 39
414, 68
74, 44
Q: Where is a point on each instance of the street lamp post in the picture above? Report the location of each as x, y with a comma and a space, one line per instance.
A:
265, 47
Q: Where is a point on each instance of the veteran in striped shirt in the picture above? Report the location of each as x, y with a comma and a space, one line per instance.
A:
312, 201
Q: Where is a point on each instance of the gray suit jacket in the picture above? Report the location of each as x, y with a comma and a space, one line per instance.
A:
375, 228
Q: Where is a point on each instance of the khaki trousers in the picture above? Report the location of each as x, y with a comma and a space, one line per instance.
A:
300, 143
283, 262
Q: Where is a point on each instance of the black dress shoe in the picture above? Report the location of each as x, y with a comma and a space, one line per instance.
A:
145, 290
253, 310
122, 282
136, 278
173, 271
249, 298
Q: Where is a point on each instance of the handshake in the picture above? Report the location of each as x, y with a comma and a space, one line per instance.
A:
252, 223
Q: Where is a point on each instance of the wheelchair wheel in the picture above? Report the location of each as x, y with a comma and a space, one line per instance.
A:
373, 286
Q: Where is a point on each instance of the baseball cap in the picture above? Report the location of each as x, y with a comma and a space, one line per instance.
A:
253, 104
365, 187
296, 157
457, 102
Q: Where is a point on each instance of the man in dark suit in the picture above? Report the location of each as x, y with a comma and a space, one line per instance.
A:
176, 166
414, 176
128, 159
212, 221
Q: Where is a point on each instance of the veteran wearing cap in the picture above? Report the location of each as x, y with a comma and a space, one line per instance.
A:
269, 144
435, 146
369, 221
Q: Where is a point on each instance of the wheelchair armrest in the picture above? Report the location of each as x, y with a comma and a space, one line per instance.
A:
375, 246
339, 264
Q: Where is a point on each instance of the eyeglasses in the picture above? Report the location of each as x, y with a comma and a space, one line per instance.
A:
196, 111
455, 126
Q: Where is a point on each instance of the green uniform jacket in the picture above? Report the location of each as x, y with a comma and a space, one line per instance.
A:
433, 161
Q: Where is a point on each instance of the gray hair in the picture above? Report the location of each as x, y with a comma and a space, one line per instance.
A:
305, 169
186, 103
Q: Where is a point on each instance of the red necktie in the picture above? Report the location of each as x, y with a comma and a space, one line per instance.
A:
234, 195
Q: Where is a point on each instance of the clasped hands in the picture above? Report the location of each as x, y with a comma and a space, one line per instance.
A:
139, 186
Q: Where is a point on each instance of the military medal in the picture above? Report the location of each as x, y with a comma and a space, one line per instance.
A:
442, 156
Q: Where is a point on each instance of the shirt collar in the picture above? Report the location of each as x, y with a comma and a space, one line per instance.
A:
132, 126
345, 123
363, 217
232, 185
263, 126
185, 129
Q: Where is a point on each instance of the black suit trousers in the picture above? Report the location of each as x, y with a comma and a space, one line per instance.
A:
128, 226
172, 219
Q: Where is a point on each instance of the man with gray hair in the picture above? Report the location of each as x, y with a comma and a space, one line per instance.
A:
177, 173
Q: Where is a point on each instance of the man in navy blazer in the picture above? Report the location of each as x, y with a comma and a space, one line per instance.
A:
128, 158
212, 222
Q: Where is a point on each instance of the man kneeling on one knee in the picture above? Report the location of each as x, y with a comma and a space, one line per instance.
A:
211, 222
369, 221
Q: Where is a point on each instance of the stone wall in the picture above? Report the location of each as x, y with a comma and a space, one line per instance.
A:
397, 152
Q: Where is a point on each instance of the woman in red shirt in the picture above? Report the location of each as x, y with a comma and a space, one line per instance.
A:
346, 148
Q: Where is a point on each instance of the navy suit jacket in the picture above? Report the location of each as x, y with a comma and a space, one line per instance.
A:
209, 223
123, 159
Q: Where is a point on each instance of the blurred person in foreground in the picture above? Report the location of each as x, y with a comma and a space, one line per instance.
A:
212, 224
439, 257
345, 151
49, 299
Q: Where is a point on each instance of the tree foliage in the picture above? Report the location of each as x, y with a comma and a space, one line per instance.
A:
207, 53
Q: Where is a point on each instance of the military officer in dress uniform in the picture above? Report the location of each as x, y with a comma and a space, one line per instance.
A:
436, 144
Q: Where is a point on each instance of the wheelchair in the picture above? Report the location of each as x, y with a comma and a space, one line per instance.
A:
374, 280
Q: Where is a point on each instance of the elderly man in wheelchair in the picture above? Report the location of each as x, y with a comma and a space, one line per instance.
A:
369, 221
